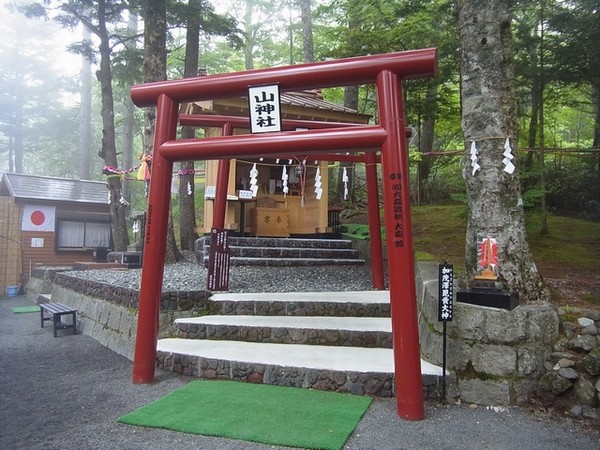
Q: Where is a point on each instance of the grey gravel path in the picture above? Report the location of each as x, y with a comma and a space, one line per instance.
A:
187, 275
67, 392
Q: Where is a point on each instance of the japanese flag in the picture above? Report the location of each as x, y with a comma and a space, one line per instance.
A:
38, 218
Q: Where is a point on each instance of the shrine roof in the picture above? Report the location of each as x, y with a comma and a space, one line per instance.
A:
33, 187
312, 99
308, 105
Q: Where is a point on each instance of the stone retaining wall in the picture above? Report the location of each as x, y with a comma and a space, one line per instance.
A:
497, 355
109, 313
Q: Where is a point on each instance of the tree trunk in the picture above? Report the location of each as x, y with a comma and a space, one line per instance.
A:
249, 36
108, 151
426, 138
155, 69
533, 123
85, 113
543, 205
18, 148
596, 99
307, 31
187, 207
488, 118
129, 118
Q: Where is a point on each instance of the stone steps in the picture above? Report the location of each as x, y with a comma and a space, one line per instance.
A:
280, 262
368, 332
337, 304
284, 251
338, 341
356, 370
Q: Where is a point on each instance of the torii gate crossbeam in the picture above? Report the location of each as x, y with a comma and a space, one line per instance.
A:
387, 72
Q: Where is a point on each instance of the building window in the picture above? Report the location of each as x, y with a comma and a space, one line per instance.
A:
79, 235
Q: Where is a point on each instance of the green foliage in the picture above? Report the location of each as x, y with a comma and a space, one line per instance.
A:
342, 28
572, 184
570, 243
439, 231
439, 234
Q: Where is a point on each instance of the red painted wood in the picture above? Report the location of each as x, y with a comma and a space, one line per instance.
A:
343, 72
374, 222
154, 246
396, 196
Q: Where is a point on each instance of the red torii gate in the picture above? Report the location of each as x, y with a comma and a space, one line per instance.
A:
387, 72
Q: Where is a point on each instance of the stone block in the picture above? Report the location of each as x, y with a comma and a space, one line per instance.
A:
553, 383
459, 355
583, 343
485, 392
502, 326
431, 345
469, 323
542, 323
530, 360
498, 360
585, 392
522, 389
591, 362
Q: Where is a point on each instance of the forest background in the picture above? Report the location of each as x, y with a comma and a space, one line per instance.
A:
52, 123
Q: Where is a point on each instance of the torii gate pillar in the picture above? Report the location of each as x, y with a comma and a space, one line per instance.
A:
387, 72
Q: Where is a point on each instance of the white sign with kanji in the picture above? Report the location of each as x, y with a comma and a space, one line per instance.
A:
265, 109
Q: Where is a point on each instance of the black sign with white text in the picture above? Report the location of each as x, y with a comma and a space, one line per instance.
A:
445, 293
218, 264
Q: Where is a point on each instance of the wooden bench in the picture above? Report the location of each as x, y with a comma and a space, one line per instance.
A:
57, 310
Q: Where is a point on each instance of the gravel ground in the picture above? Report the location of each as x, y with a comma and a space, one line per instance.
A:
188, 276
68, 392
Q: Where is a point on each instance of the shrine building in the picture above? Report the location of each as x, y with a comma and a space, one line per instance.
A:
290, 197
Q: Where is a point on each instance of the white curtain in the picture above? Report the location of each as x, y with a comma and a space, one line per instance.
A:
70, 234
97, 235
83, 235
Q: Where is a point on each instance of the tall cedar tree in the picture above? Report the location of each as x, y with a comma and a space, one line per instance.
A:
488, 118
155, 69
187, 217
97, 19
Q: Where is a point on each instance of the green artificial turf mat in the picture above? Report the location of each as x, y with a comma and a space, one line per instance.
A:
272, 415
25, 309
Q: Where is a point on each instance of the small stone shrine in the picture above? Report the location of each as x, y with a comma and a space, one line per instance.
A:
486, 289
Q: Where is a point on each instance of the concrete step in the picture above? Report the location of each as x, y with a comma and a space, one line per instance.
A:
338, 304
237, 241
290, 262
357, 370
293, 252
369, 332
283, 251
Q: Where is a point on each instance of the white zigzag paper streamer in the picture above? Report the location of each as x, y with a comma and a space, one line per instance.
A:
253, 182
284, 177
474, 165
318, 188
509, 167
345, 180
